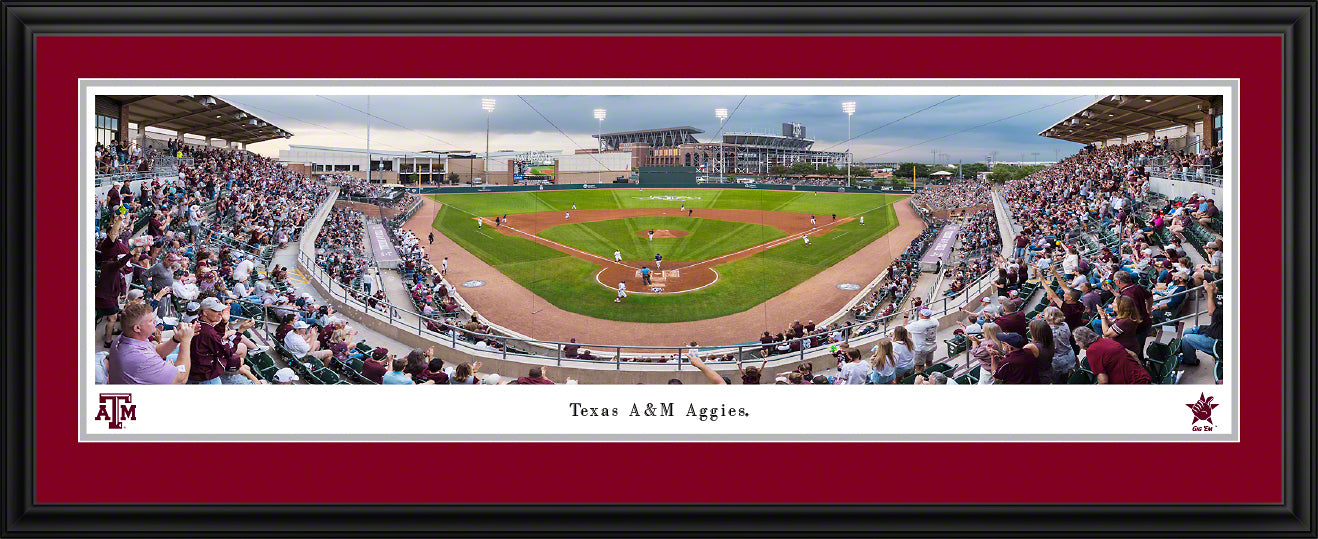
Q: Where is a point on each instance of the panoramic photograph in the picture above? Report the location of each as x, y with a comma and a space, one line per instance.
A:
498, 239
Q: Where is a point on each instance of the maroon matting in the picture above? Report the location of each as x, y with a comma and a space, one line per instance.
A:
72, 472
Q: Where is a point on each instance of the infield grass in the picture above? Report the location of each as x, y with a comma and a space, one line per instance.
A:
569, 283
705, 239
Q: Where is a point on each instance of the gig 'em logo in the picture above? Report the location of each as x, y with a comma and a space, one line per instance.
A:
1203, 411
116, 409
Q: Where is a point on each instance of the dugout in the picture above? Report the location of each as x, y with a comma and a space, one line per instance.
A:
675, 176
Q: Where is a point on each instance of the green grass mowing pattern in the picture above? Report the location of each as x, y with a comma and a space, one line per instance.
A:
490, 246
845, 239
707, 238
569, 283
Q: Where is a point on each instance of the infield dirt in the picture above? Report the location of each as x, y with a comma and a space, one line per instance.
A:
692, 274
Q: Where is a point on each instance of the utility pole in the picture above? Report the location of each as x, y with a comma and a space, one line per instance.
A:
488, 105
599, 150
721, 165
368, 139
850, 108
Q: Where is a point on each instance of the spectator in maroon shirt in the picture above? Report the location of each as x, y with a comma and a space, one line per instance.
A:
416, 364
1019, 366
109, 287
285, 326
767, 341
1122, 327
373, 368
1126, 286
1111, 362
1012, 321
434, 372
211, 356
1071, 306
536, 376
751, 375
797, 329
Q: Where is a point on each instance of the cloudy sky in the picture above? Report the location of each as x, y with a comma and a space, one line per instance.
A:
880, 128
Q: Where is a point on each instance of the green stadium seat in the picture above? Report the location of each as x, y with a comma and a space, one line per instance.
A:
956, 345
1082, 376
263, 365
322, 375
938, 367
966, 380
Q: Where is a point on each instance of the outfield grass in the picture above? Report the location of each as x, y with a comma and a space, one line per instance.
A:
569, 283
707, 238
822, 204
492, 247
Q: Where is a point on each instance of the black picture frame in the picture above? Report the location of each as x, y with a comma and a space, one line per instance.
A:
23, 21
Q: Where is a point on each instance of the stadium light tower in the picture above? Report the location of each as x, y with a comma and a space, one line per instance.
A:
487, 104
599, 115
721, 114
849, 107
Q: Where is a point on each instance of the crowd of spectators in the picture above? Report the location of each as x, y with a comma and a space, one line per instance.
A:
115, 158
1113, 293
807, 180
338, 250
171, 294
361, 188
958, 194
195, 263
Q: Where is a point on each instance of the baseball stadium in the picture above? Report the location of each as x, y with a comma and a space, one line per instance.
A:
655, 257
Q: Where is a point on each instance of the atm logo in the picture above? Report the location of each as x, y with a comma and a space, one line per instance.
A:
117, 408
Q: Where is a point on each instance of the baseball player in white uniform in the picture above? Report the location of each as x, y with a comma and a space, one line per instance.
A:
622, 291
617, 255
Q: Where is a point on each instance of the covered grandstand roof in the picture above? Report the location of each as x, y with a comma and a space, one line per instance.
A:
199, 115
768, 141
659, 138
1118, 116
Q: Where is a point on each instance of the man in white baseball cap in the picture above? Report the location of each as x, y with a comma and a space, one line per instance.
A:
303, 341
925, 334
285, 376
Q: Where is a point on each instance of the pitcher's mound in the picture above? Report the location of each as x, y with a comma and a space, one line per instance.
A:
662, 233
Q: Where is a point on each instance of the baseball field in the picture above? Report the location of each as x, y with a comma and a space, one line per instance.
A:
723, 251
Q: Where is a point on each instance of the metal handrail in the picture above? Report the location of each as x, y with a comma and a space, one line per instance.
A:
103, 179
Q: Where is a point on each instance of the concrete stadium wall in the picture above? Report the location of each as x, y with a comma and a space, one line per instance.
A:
1180, 188
947, 214
495, 362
